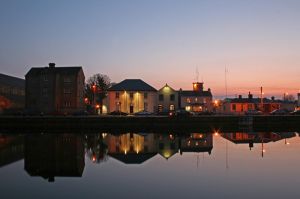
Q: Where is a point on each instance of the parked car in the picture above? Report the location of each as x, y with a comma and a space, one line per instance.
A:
280, 112
118, 113
183, 113
253, 112
295, 112
143, 113
80, 113
204, 113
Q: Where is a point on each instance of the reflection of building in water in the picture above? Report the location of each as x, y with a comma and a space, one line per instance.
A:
96, 148
168, 145
131, 148
259, 138
11, 149
197, 142
54, 155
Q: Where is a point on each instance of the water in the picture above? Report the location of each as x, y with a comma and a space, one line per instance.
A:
146, 165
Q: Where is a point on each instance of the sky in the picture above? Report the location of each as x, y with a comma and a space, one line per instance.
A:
159, 41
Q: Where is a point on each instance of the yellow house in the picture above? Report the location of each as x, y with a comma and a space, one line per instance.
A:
132, 96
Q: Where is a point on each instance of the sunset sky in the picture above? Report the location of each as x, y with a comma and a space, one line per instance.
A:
161, 41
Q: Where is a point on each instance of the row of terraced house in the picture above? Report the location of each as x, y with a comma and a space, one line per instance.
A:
52, 89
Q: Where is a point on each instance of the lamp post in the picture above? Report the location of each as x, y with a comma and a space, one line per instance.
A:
94, 88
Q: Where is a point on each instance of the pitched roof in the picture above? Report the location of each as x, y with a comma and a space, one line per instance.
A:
195, 94
12, 81
61, 70
132, 85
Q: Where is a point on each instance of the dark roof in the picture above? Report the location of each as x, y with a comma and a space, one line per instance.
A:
12, 81
133, 158
61, 70
195, 94
132, 85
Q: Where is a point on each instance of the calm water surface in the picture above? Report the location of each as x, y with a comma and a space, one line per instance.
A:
140, 165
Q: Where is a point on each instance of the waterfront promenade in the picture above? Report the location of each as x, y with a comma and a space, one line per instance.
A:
116, 124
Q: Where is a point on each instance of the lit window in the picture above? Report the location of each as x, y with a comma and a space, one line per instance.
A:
188, 100
160, 108
234, 107
188, 108
172, 107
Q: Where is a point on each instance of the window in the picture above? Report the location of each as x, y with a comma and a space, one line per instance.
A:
131, 96
172, 107
45, 92
117, 95
234, 107
172, 97
67, 79
145, 95
188, 100
67, 104
67, 91
161, 146
161, 97
145, 106
160, 108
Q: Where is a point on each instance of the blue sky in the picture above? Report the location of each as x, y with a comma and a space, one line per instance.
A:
159, 41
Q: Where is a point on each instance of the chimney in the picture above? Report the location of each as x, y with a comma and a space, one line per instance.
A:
51, 65
208, 90
198, 87
240, 96
250, 96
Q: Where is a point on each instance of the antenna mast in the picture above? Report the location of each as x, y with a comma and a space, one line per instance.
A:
226, 71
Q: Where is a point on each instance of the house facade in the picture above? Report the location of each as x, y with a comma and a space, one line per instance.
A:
55, 89
167, 99
131, 96
242, 105
196, 100
12, 92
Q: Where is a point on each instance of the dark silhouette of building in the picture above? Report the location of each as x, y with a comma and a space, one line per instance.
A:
12, 92
55, 89
54, 155
11, 149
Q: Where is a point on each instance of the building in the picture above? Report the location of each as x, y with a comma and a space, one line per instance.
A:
52, 155
167, 99
55, 89
12, 92
241, 105
196, 100
131, 148
298, 99
131, 96
197, 142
